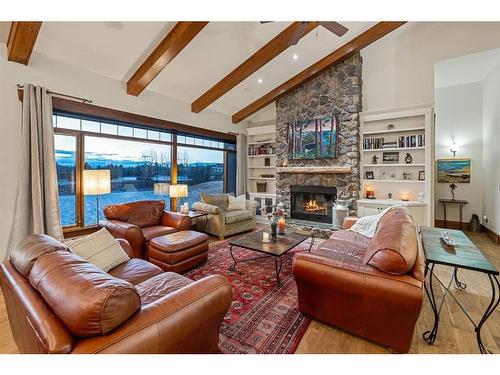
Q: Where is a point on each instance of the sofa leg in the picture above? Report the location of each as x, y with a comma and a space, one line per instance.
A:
221, 238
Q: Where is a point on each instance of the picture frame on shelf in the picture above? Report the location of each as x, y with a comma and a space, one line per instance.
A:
390, 157
369, 175
421, 175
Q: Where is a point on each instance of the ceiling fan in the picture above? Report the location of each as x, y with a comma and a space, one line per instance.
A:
335, 27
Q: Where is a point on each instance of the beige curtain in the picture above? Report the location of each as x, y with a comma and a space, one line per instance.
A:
37, 206
241, 164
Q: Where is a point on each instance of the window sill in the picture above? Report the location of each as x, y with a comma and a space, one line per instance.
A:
71, 232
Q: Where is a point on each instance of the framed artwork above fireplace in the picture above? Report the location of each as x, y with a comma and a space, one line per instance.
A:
312, 139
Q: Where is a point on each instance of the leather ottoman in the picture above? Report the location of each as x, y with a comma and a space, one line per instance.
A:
178, 252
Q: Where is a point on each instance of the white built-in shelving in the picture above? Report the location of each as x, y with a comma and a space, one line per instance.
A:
261, 166
387, 179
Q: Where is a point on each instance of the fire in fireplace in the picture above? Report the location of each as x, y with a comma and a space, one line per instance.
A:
313, 203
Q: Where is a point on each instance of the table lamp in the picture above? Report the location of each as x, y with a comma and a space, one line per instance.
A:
177, 191
96, 182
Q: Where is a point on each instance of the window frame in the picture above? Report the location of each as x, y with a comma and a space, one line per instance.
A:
80, 228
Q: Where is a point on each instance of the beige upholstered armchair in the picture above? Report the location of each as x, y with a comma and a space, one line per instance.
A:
222, 222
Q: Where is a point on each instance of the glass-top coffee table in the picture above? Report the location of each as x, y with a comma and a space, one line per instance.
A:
274, 248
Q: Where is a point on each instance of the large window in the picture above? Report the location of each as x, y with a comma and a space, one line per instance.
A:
202, 170
138, 159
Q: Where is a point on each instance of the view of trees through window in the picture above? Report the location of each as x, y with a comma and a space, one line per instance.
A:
137, 160
135, 168
202, 170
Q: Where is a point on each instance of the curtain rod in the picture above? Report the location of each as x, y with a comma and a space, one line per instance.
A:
83, 100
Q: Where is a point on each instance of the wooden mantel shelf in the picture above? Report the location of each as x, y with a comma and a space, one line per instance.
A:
332, 170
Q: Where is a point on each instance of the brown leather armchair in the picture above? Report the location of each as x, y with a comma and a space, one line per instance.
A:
138, 222
135, 308
372, 288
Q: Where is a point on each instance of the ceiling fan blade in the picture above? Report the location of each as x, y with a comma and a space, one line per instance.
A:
299, 33
335, 27
263, 22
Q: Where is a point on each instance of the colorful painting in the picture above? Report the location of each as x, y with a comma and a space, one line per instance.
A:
453, 170
313, 139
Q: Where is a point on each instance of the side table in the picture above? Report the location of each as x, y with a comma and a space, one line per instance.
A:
193, 214
461, 204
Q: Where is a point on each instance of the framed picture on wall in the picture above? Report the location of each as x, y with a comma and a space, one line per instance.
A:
453, 170
312, 139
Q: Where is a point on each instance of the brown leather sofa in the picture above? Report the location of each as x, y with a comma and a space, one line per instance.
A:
372, 288
140, 221
57, 302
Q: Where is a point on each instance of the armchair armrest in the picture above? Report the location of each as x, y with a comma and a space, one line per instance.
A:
349, 222
185, 321
252, 206
205, 207
175, 220
132, 233
125, 246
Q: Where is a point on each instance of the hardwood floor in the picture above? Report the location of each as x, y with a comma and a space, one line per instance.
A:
455, 335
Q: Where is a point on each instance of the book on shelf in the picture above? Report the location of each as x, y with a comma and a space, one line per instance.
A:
373, 143
411, 141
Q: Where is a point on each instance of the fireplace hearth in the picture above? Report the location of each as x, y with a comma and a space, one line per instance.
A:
312, 203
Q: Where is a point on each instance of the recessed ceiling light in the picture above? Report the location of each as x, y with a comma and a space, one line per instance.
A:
260, 80
295, 56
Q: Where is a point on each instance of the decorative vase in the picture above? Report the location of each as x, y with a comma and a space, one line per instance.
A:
281, 226
273, 230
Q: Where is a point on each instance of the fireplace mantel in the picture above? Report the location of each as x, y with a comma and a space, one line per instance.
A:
331, 169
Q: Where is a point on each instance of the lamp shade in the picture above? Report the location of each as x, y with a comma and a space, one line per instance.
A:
96, 181
161, 188
178, 191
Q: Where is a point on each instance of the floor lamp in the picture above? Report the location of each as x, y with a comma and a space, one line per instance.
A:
96, 182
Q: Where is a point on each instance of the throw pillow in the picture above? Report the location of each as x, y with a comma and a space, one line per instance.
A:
236, 204
99, 248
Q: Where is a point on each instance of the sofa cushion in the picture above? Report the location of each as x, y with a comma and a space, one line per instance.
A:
159, 286
156, 230
135, 271
184, 239
236, 216
342, 249
140, 213
88, 300
238, 203
99, 248
219, 200
24, 255
394, 247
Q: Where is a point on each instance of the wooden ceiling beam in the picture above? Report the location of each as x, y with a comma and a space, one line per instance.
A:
361, 41
260, 58
22, 38
175, 41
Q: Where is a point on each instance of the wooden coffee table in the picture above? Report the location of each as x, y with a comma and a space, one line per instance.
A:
274, 248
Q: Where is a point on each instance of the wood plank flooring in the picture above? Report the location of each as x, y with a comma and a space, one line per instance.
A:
456, 334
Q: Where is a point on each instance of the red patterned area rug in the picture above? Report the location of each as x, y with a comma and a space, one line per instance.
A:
262, 318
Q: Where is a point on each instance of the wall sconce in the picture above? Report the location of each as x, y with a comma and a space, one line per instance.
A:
453, 148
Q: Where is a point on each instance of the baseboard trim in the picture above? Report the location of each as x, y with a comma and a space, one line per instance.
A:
450, 224
492, 235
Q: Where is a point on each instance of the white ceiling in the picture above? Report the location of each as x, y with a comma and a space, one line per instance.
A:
212, 54
465, 69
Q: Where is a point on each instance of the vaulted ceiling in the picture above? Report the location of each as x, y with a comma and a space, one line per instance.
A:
117, 50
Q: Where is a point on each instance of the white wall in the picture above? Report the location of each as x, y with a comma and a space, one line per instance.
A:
491, 150
67, 79
398, 70
459, 116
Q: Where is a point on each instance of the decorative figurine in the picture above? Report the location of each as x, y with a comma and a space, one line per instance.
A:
453, 187
406, 175
389, 195
390, 126
374, 159
408, 158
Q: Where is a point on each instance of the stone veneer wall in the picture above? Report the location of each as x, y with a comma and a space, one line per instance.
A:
335, 92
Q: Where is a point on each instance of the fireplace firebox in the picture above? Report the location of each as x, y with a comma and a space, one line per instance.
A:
312, 203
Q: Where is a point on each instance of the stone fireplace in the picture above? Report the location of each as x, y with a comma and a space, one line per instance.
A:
312, 203
336, 92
